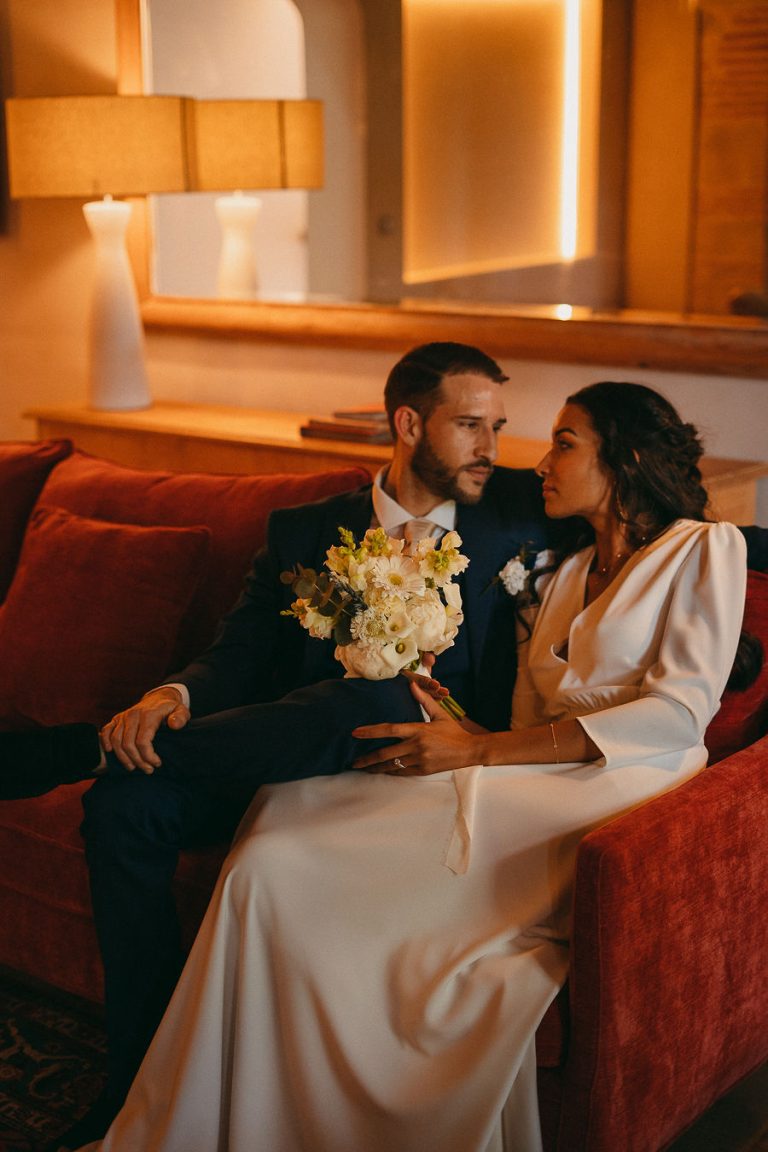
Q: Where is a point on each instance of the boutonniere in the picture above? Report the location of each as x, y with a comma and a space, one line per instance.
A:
519, 576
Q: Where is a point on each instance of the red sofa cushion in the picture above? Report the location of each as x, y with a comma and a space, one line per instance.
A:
92, 615
235, 508
743, 716
23, 471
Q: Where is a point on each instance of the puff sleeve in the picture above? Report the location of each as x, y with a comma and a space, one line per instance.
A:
680, 692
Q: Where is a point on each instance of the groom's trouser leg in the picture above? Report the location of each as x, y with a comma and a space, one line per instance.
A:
135, 826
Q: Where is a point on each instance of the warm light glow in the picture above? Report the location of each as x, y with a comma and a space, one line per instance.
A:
569, 202
488, 193
563, 311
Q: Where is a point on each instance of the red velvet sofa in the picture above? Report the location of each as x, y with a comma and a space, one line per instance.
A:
110, 578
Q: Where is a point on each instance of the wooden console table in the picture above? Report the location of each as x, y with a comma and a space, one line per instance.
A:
211, 438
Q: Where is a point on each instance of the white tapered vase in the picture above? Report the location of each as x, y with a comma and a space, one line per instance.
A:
238, 275
118, 375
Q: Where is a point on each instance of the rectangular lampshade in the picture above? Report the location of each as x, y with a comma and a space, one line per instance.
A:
302, 143
233, 144
253, 144
96, 145
131, 145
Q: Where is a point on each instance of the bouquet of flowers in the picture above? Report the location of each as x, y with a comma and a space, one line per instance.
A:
384, 603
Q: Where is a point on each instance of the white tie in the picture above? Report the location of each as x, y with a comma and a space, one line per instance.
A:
414, 530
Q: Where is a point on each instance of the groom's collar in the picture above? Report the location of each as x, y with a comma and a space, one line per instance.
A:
391, 516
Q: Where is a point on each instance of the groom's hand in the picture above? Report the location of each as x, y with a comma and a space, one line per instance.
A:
129, 734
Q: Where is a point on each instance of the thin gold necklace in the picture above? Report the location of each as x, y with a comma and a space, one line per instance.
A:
612, 564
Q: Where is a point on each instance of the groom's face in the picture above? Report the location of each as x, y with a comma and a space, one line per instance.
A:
458, 441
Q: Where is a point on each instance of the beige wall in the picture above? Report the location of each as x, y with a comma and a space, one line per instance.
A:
58, 46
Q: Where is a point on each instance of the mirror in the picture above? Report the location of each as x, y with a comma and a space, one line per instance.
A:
653, 337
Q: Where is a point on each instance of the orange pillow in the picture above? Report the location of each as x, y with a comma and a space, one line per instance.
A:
92, 615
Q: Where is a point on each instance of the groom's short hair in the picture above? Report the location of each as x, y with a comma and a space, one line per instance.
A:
415, 380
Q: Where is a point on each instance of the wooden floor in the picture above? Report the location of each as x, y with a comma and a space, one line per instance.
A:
733, 1124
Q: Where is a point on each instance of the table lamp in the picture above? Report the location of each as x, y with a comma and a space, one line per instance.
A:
253, 144
80, 146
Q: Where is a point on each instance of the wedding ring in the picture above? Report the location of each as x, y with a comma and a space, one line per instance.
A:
398, 763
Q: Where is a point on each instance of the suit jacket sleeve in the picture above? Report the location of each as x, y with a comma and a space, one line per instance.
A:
258, 654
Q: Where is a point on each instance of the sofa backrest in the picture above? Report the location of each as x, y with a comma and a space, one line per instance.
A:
123, 576
24, 468
743, 716
234, 509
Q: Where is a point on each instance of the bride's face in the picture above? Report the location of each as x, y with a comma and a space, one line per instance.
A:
576, 483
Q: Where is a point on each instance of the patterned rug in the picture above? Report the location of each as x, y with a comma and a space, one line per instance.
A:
52, 1052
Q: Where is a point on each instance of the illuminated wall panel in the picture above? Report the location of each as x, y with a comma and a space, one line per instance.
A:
499, 156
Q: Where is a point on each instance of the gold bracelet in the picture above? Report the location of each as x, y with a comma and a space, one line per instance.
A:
554, 744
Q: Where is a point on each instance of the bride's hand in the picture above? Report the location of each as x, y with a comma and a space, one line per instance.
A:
422, 749
425, 688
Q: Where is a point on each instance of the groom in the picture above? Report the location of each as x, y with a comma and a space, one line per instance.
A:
198, 749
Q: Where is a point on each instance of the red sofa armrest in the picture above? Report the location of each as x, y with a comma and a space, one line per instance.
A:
669, 1000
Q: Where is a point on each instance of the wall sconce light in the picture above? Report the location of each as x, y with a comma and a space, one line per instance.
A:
81, 146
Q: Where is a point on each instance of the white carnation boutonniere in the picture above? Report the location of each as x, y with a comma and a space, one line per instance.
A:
522, 575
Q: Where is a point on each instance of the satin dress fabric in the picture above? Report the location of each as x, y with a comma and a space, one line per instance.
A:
380, 950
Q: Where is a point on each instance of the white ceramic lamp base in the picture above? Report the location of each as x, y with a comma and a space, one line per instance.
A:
118, 375
237, 278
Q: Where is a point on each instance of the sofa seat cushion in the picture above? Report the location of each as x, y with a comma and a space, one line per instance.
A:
92, 615
45, 896
23, 471
235, 508
743, 716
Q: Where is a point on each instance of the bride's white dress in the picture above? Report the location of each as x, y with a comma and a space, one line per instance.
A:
379, 950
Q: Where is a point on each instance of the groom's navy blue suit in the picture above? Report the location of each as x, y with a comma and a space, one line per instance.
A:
269, 704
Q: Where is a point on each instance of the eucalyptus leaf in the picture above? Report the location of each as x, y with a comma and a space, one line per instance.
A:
304, 587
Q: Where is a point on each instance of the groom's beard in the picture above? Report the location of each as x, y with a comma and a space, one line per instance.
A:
444, 481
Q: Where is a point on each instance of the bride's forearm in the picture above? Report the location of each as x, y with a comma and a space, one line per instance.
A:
555, 743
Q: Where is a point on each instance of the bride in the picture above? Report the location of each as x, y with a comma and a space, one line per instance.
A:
382, 945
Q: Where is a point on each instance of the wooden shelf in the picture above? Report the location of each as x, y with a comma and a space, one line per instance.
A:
213, 438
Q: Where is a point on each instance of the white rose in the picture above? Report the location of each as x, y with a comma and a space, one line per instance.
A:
449, 635
429, 617
366, 661
321, 627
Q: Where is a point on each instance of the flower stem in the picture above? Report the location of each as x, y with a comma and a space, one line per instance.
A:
453, 708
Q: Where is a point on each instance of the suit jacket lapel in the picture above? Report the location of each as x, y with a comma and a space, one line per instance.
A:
489, 615
353, 512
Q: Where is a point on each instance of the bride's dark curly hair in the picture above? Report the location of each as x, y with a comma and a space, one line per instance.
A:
652, 455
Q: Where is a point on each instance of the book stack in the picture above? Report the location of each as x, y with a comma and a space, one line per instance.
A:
367, 425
